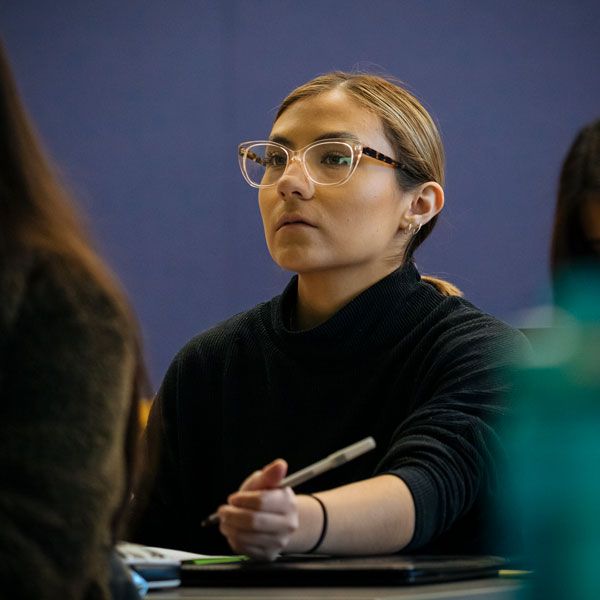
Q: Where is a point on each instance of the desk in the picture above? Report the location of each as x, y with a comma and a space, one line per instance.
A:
493, 588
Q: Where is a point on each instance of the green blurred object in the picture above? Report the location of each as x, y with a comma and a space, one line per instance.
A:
554, 445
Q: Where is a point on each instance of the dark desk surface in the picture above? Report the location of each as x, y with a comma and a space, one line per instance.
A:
476, 589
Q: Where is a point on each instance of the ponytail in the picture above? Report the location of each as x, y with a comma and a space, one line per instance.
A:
443, 287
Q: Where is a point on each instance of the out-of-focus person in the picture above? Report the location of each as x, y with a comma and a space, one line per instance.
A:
70, 378
554, 438
576, 231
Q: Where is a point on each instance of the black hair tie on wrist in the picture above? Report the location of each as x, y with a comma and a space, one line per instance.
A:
324, 529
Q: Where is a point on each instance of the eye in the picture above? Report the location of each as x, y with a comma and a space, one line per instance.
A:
336, 159
275, 159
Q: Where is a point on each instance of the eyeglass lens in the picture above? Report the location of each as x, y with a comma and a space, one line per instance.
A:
326, 163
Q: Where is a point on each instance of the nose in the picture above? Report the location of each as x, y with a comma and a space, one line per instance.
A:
294, 183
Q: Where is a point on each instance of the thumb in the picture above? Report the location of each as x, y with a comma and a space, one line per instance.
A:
269, 477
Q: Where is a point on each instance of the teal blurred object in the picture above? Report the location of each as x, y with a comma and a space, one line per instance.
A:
554, 445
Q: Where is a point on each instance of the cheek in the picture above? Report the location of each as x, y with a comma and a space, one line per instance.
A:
261, 201
377, 204
265, 205
265, 208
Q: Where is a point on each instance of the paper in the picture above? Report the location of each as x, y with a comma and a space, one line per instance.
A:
136, 555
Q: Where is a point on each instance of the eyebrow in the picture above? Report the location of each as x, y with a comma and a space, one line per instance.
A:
280, 139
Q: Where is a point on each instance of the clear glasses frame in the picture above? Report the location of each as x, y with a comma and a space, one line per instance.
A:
356, 148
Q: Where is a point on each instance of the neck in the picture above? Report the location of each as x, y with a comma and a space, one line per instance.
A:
322, 294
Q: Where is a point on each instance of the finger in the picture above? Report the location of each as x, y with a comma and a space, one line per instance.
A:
275, 501
274, 473
268, 477
245, 543
251, 482
234, 518
256, 552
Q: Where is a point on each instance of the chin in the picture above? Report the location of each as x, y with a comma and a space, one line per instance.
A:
293, 266
298, 262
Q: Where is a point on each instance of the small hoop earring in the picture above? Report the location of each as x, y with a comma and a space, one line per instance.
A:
412, 229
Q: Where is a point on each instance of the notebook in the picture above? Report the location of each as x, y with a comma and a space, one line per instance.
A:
304, 570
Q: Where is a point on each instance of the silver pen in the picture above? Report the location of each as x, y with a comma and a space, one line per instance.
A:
332, 461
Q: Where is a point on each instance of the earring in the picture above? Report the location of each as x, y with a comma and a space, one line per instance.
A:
412, 229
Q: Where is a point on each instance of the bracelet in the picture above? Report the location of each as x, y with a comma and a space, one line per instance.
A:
324, 529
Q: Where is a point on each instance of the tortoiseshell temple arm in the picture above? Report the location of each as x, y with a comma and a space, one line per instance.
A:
382, 157
252, 156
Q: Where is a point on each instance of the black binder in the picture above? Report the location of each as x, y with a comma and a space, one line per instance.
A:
303, 570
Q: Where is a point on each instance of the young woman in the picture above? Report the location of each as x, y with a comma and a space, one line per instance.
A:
70, 376
350, 183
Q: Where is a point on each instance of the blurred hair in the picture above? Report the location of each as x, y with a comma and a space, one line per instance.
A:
36, 212
406, 124
579, 178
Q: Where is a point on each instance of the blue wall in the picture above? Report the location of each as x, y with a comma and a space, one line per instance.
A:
143, 102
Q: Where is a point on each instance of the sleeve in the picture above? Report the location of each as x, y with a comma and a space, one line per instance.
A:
448, 451
157, 510
65, 390
183, 455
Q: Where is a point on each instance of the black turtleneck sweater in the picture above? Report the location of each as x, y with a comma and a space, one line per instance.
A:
420, 372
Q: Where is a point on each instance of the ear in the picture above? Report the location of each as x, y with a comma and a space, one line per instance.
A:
427, 201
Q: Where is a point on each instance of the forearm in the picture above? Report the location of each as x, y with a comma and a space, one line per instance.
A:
374, 516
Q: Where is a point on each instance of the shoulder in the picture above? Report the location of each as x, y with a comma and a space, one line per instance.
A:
207, 358
14, 276
454, 323
46, 296
243, 328
66, 359
454, 310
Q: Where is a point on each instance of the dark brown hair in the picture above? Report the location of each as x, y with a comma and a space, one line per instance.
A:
36, 212
579, 178
408, 126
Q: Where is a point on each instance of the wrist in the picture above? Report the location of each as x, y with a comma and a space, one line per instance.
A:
310, 526
321, 537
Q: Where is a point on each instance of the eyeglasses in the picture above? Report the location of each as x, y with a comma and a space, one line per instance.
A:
325, 162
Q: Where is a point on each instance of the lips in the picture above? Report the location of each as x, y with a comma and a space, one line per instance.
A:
292, 219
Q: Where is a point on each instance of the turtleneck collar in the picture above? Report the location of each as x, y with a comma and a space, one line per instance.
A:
365, 324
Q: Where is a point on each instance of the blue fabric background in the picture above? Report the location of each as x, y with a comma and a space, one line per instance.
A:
142, 103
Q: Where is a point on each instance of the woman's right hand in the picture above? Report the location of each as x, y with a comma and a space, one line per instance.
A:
260, 518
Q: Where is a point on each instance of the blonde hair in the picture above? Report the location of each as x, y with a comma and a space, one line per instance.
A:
408, 127
444, 287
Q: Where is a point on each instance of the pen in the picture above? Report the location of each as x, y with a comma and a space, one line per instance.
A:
332, 461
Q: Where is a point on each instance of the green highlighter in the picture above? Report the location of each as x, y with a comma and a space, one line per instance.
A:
216, 560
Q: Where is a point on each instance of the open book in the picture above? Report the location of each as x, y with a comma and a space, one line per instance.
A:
160, 567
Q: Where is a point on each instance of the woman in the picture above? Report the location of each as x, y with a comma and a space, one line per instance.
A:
350, 183
70, 376
576, 232
556, 490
